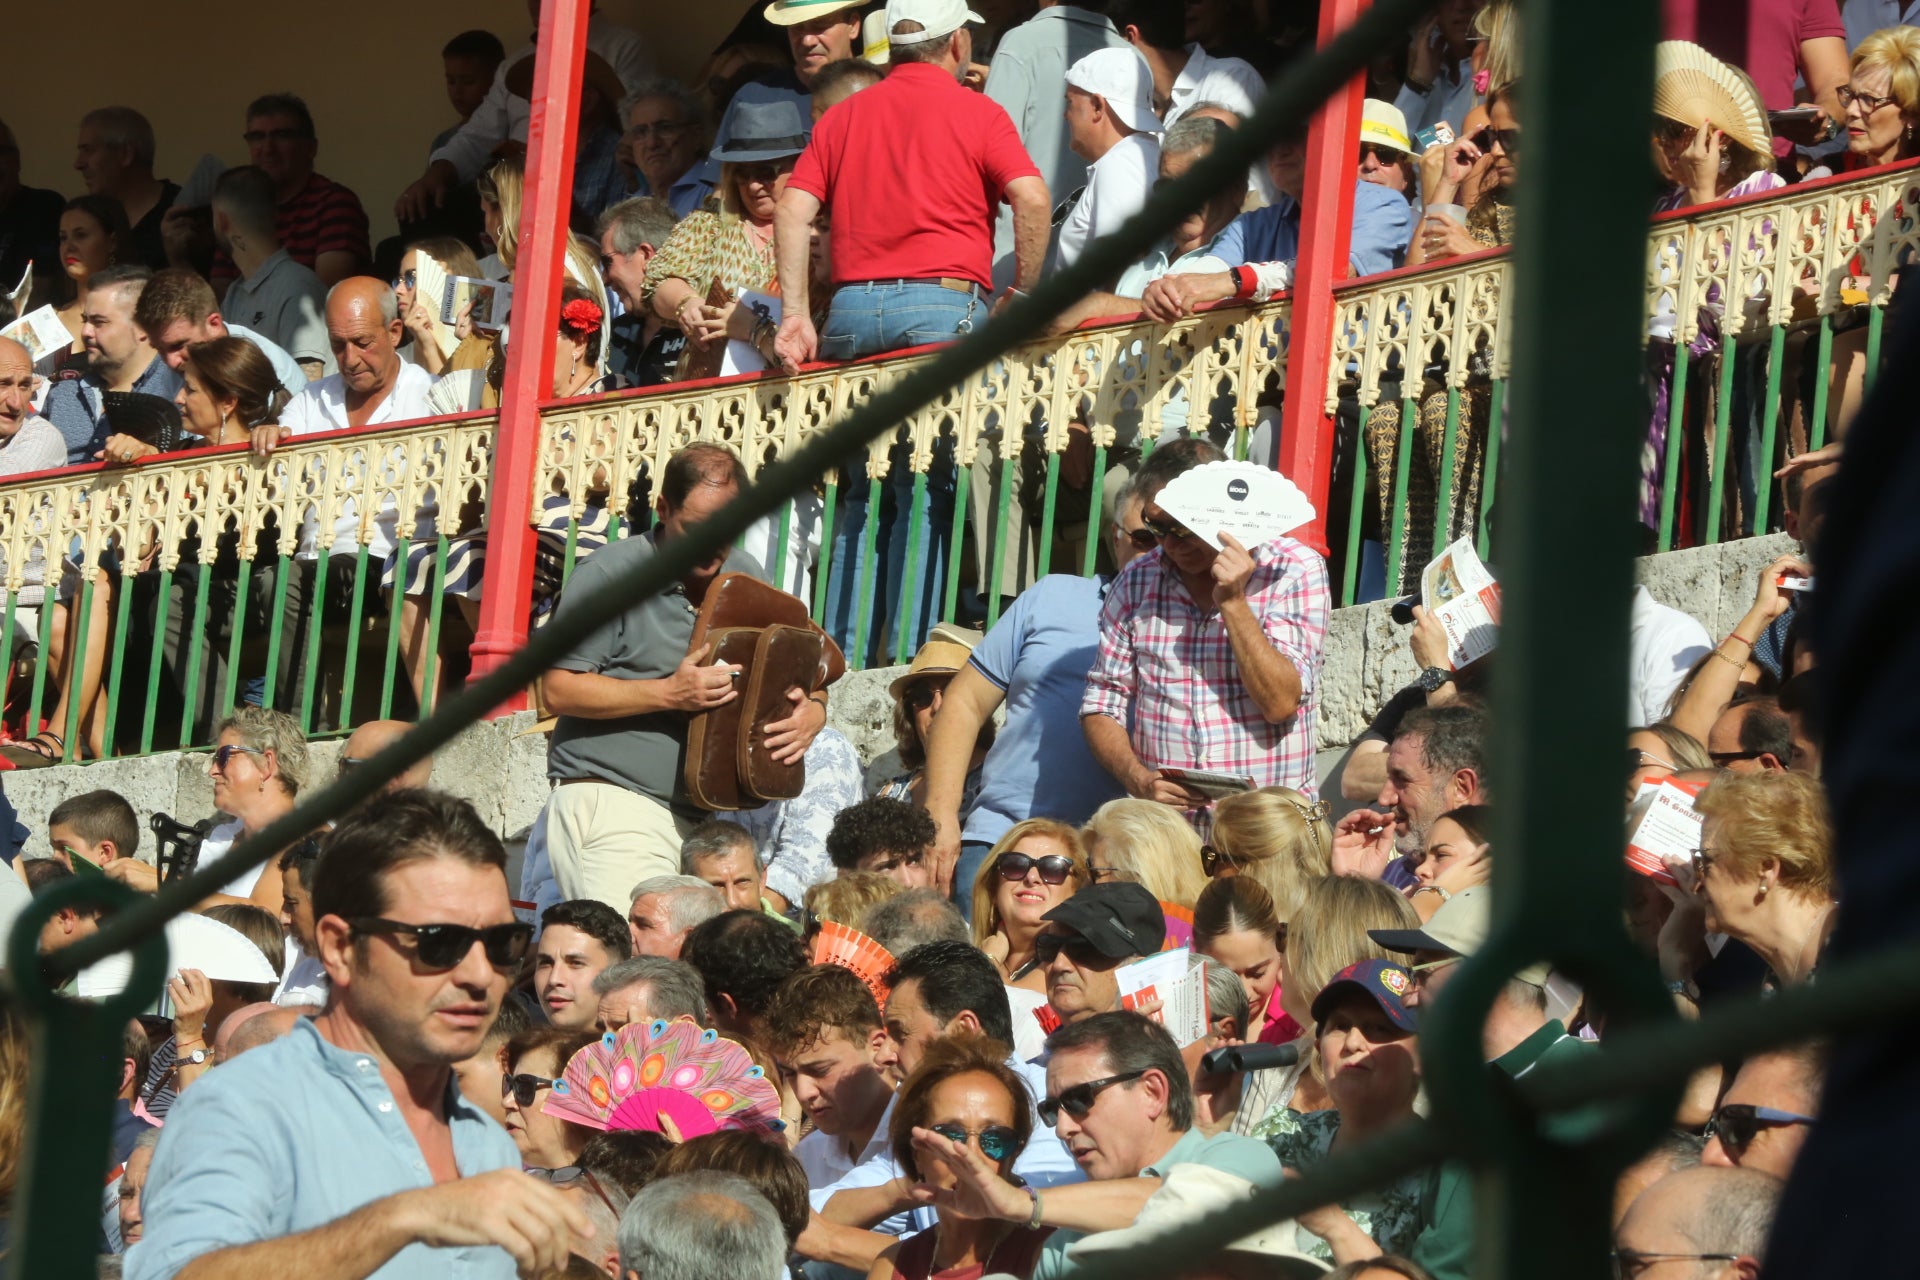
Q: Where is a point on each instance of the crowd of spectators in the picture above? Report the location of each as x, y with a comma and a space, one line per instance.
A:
979, 1092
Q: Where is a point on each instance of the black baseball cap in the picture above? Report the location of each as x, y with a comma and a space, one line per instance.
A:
1118, 917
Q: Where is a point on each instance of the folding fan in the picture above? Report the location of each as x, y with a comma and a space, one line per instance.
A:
851, 949
1691, 85
666, 1077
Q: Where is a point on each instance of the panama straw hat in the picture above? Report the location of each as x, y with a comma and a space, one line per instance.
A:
1691, 85
945, 652
790, 13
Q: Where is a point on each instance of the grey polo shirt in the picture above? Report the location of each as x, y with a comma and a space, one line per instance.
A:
286, 303
647, 642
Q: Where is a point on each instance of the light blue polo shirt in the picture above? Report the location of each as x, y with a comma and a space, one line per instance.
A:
1038, 655
1382, 228
292, 1136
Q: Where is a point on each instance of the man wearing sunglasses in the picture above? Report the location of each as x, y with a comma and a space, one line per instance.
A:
1767, 1113
1210, 655
1698, 1224
1093, 933
1119, 1096
346, 1149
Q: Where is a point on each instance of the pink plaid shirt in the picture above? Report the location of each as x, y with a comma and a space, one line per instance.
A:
1167, 668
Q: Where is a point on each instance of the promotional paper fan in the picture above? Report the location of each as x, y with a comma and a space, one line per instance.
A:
1245, 499
193, 942
665, 1077
851, 949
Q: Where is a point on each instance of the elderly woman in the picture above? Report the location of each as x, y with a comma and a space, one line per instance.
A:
1364, 1040
534, 1060
962, 1093
917, 697
1273, 835
733, 248
1710, 137
1151, 845
1764, 870
1486, 156
1034, 868
1328, 933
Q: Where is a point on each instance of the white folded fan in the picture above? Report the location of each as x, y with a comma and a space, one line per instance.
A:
1253, 503
193, 942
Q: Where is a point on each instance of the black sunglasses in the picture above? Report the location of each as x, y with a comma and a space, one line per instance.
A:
1736, 1123
1721, 759
1078, 1100
1385, 155
997, 1142
920, 696
523, 1089
1509, 140
1054, 869
1165, 532
1212, 858
1143, 538
1078, 949
442, 946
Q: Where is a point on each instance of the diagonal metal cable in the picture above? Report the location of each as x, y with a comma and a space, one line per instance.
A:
1851, 995
1286, 108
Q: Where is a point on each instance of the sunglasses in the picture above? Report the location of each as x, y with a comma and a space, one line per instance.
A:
1078, 949
1509, 140
920, 696
1213, 860
1385, 155
1141, 538
1166, 532
1638, 759
997, 1142
764, 174
1078, 1100
1702, 859
1721, 759
223, 756
1736, 1123
1054, 869
442, 946
406, 280
1628, 1264
523, 1089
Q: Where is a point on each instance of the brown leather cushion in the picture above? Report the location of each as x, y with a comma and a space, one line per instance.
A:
784, 658
713, 777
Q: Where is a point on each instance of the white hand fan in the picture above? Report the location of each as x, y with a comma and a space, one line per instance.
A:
1245, 499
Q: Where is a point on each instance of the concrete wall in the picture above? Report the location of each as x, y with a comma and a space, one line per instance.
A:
501, 765
370, 71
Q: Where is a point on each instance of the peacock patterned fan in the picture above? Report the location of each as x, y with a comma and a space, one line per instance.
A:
665, 1077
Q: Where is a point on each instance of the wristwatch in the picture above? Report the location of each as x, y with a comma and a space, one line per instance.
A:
198, 1058
1431, 679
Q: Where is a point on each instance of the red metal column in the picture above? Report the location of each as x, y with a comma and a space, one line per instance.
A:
506, 585
1326, 225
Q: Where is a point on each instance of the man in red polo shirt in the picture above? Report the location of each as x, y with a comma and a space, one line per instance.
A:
912, 172
322, 225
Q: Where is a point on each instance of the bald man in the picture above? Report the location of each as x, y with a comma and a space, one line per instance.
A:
372, 387
375, 736
28, 442
1717, 1219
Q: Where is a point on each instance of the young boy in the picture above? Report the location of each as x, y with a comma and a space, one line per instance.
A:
825, 1032
891, 837
95, 826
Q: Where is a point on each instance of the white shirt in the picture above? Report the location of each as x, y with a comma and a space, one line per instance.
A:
502, 115
1029, 1037
303, 980
217, 845
1044, 1162
1663, 645
1228, 82
1118, 184
824, 1155
323, 407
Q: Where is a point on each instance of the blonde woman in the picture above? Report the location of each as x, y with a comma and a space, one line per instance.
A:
500, 189
1764, 871
1276, 836
1151, 845
1326, 934
1033, 868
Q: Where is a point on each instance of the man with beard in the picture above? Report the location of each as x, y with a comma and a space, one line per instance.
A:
1436, 762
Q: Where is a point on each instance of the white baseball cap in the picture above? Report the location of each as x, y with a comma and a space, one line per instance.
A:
1121, 77
937, 18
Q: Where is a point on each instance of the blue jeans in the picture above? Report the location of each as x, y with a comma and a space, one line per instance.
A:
867, 319
973, 856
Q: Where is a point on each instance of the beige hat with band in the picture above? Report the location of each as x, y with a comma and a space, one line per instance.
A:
944, 653
791, 13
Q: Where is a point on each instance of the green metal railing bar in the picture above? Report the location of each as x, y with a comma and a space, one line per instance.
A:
822, 582
1496, 409
436, 614
910, 585
1676, 423
1097, 513
276, 627
392, 661
162, 606
1402, 464
1443, 498
869, 569
356, 609
956, 546
1817, 424
1763, 465
196, 643
316, 627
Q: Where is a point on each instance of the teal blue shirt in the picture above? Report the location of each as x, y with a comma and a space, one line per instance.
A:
1246, 1158
292, 1136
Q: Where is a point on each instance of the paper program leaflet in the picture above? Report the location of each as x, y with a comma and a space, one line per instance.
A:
490, 302
44, 337
1178, 980
1463, 597
1664, 830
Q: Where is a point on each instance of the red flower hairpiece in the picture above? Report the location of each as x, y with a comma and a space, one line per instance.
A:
581, 316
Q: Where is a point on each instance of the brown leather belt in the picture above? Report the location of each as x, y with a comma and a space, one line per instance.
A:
568, 782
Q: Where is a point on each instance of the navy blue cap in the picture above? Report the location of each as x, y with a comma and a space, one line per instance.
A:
1383, 980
